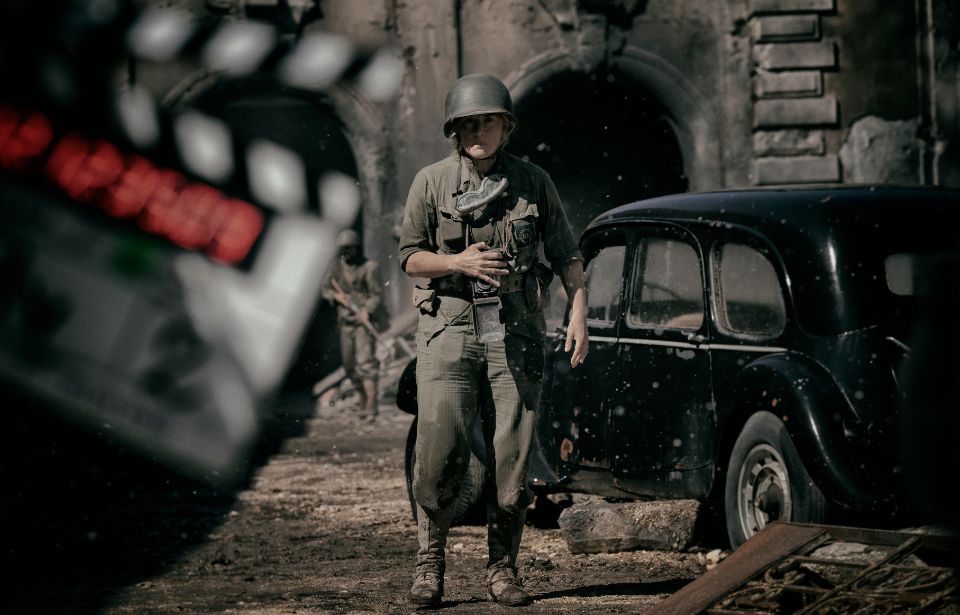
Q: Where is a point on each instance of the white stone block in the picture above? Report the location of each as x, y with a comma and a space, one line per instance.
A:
784, 56
789, 6
788, 83
777, 28
795, 112
790, 142
883, 151
796, 170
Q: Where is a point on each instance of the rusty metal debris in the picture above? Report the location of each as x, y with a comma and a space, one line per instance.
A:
778, 572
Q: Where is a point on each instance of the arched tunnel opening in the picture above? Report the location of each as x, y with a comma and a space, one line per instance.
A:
604, 139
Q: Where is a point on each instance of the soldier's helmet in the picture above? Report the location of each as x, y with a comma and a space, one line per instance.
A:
348, 237
477, 94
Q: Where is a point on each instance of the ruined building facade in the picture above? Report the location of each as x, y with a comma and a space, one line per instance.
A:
619, 100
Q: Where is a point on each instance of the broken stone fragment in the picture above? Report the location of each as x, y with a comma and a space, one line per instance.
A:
599, 526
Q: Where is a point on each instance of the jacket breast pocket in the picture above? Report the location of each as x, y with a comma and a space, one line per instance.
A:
523, 231
450, 234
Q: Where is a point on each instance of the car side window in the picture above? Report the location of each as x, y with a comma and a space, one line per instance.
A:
749, 296
668, 290
603, 279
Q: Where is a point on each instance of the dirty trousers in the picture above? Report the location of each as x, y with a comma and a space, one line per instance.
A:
459, 380
358, 353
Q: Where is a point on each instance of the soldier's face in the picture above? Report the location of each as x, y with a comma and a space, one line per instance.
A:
480, 135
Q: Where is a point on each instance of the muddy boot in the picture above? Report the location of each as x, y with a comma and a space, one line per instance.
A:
369, 409
432, 531
504, 531
427, 587
505, 589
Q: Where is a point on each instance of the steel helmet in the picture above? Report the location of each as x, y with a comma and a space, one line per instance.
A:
477, 94
348, 237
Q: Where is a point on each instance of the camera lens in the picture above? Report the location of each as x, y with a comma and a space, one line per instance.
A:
484, 288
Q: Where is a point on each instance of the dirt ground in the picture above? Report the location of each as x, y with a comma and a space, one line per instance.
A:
322, 526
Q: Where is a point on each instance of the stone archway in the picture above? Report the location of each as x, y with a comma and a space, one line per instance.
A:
694, 121
606, 140
655, 120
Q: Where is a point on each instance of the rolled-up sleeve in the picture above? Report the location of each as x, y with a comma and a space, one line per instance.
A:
419, 221
559, 244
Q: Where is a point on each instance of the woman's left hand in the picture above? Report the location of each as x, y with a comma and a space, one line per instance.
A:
571, 274
577, 339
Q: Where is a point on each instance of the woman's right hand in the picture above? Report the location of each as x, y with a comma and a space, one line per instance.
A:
479, 261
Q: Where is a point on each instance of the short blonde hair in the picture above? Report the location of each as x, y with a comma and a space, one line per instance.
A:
508, 127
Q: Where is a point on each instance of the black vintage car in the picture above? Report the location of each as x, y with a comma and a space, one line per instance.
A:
744, 350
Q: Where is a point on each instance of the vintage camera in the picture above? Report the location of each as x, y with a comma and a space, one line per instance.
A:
486, 310
484, 289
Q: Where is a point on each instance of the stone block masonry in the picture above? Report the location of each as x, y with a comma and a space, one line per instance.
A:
785, 28
796, 112
796, 170
787, 6
789, 142
789, 83
782, 56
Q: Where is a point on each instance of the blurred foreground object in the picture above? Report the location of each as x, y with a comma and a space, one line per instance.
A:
930, 409
158, 269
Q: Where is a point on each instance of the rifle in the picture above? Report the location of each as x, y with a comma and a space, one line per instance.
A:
350, 303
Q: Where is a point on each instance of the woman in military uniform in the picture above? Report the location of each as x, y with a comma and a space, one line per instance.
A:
473, 225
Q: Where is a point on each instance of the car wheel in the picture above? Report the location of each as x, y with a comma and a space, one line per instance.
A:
766, 481
471, 508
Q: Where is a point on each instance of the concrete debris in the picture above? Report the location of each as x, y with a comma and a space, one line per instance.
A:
599, 526
711, 559
879, 150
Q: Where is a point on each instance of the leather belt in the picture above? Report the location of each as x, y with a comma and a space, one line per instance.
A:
457, 282
512, 283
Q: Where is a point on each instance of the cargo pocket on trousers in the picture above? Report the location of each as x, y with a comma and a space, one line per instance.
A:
452, 343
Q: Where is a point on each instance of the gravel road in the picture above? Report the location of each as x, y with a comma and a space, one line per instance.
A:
322, 526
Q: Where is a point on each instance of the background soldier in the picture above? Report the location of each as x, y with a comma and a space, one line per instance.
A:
359, 282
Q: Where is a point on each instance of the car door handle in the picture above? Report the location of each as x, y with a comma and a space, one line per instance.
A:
696, 337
